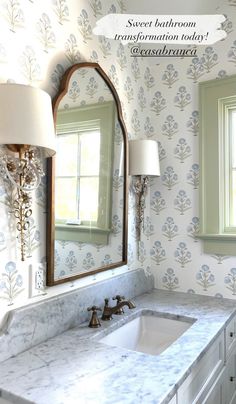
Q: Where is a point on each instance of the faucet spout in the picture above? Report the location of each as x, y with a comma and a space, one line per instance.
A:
108, 311
123, 303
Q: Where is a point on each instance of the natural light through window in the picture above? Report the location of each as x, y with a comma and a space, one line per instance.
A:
232, 168
217, 111
77, 177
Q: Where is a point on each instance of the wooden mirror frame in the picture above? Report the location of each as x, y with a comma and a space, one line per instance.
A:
50, 244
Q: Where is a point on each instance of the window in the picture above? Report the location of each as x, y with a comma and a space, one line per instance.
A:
218, 165
83, 173
230, 188
77, 179
229, 118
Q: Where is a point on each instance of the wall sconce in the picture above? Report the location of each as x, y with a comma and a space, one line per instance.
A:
143, 163
26, 120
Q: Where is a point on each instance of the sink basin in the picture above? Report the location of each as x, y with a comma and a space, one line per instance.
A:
148, 333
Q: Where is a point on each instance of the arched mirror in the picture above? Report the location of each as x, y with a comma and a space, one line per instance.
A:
87, 213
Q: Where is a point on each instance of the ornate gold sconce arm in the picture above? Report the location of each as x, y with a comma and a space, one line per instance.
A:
140, 185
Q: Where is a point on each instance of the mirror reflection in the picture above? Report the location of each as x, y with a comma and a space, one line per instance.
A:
89, 187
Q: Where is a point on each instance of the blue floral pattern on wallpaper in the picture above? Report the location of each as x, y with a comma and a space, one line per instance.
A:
10, 283
40, 40
174, 197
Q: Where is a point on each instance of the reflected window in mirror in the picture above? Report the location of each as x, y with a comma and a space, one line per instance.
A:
83, 177
77, 179
87, 214
218, 165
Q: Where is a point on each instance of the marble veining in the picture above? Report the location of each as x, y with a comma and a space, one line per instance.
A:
74, 367
28, 326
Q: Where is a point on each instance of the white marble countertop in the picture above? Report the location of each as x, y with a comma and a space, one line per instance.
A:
75, 367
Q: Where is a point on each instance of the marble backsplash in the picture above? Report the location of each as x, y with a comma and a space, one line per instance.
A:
28, 326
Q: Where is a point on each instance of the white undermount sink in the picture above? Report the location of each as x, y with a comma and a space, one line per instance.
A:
148, 333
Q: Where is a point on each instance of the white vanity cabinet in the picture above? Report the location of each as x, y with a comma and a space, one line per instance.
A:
230, 379
213, 379
203, 375
230, 363
230, 337
217, 393
223, 390
173, 400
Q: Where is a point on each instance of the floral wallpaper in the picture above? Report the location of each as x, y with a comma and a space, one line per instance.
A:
178, 261
38, 42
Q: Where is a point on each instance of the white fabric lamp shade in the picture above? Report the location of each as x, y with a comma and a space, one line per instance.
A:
144, 158
26, 117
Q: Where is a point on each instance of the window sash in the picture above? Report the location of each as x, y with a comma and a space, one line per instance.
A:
91, 117
230, 141
78, 177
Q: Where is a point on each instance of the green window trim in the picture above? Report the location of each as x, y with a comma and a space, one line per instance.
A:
223, 244
216, 98
84, 234
90, 117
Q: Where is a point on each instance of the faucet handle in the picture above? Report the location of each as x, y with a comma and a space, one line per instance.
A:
94, 322
119, 299
94, 308
106, 300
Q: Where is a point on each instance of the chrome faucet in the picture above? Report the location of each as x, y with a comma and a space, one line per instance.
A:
108, 311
